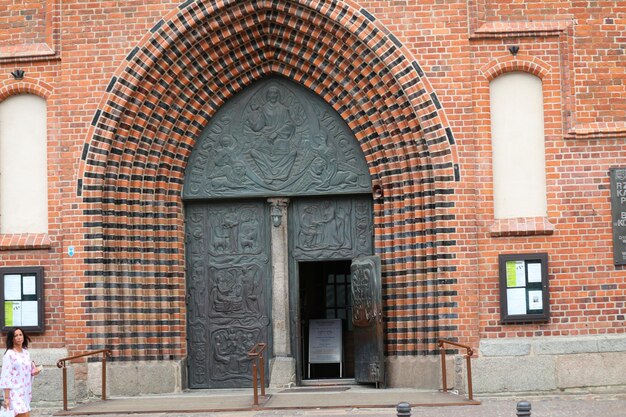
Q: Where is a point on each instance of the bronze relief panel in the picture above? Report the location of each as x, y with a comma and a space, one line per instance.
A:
275, 138
228, 290
331, 228
367, 318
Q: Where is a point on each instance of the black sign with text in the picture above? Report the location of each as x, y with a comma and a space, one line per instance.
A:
618, 211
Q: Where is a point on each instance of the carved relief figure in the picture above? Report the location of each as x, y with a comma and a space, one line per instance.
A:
252, 290
272, 127
340, 153
198, 290
230, 351
324, 171
222, 352
199, 373
362, 310
248, 231
334, 230
197, 350
324, 226
238, 291
226, 294
324, 166
196, 230
234, 231
309, 234
363, 231
222, 225
228, 171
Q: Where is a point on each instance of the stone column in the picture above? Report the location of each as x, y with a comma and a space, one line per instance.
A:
283, 364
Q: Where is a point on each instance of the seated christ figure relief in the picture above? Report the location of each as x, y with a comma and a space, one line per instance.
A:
273, 128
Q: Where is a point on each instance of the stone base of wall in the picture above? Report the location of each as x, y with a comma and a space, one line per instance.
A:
547, 365
84, 380
542, 365
421, 372
48, 385
137, 378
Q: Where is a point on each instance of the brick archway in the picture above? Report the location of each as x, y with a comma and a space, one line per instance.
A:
25, 85
191, 63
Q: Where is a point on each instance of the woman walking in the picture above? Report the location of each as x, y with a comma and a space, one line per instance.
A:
16, 380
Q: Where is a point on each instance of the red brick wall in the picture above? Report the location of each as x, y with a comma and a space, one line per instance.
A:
459, 45
23, 21
582, 136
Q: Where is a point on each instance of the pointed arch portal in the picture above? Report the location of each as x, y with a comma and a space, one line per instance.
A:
168, 90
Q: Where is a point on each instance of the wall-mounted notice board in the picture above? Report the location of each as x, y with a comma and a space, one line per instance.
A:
524, 296
21, 293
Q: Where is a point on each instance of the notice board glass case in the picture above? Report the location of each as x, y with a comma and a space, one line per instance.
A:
21, 292
524, 295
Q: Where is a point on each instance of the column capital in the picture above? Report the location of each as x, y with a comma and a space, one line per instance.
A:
278, 209
281, 202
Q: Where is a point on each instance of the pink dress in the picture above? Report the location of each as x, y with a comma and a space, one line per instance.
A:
16, 375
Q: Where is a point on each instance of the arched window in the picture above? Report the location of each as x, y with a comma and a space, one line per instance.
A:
517, 134
23, 165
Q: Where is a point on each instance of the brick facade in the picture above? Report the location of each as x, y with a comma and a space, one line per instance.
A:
130, 85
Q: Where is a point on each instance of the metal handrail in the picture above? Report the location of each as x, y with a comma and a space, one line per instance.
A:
62, 362
468, 356
256, 354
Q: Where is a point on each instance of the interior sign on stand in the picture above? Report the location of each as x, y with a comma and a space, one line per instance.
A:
325, 344
524, 296
618, 211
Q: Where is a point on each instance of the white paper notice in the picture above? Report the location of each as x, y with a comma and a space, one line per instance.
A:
535, 300
534, 272
12, 287
16, 313
516, 301
29, 313
29, 287
520, 273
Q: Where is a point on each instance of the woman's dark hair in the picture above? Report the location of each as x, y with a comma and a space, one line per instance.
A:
11, 336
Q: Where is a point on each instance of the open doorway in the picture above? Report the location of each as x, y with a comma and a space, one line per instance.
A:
325, 294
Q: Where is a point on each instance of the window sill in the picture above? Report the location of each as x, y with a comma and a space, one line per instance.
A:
35, 50
612, 130
521, 226
24, 241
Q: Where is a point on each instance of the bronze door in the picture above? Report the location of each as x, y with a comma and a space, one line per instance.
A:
323, 230
367, 320
228, 290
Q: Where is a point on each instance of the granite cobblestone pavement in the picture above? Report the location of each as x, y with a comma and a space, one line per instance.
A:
590, 405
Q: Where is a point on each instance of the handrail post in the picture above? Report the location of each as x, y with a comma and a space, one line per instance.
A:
444, 375
262, 370
61, 363
254, 383
258, 365
470, 394
64, 387
468, 357
104, 376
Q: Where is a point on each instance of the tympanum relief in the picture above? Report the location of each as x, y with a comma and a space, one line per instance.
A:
276, 138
